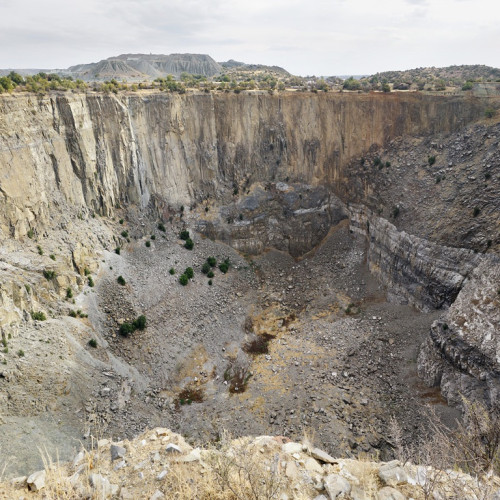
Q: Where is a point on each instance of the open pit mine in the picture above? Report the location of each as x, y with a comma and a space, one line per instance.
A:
290, 264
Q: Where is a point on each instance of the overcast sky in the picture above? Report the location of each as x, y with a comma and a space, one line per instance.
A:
306, 37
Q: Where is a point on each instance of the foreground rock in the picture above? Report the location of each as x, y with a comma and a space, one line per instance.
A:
262, 467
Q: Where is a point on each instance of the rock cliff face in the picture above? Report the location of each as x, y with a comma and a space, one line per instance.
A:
273, 170
97, 151
462, 353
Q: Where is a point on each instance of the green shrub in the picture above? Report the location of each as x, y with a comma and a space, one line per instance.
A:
183, 280
121, 280
38, 316
210, 274
93, 343
117, 250
172, 271
52, 256
377, 161
49, 274
224, 266
189, 272
90, 282
205, 268
189, 244
476, 212
395, 211
86, 271
148, 243
20, 353
126, 329
184, 235
40, 251
72, 314
161, 226
31, 233
124, 234
140, 322
431, 160
212, 261
28, 288
153, 237
489, 113
210, 282
69, 293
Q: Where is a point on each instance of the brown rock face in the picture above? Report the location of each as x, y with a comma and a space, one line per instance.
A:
94, 152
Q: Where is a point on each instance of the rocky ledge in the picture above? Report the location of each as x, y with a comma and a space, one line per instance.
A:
462, 353
161, 464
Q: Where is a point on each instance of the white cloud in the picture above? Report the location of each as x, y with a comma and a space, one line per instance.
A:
316, 36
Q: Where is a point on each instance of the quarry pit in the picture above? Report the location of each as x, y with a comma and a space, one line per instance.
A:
346, 259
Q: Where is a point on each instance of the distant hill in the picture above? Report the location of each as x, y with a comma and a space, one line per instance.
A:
233, 65
449, 75
132, 67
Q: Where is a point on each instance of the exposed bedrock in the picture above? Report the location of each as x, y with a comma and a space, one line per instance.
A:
462, 353
94, 152
272, 171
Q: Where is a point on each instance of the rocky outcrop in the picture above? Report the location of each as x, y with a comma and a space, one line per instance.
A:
462, 353
260, 467
290, 217
424, 273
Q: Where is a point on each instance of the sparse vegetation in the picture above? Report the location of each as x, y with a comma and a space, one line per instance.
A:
52, 256
161, 227
476, 211
431, 160
259, 345
121, 280
40, 251
69, 293
127, 328
49, 274
224, 266
117, 250
489, 113
31, 234
172, 271
395, 211
93, 343
38, 316
189, 395
90, 282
